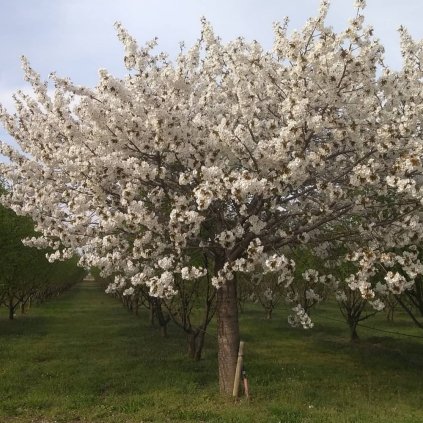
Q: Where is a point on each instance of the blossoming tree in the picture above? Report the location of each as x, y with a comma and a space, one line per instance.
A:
233, 152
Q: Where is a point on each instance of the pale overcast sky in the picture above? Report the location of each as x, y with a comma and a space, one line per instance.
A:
76, 37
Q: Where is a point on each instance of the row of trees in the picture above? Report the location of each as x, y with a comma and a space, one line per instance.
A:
26, 276
193, 305
237, 155
191, 309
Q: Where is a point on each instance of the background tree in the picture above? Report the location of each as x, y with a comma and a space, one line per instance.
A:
267, 291
353, 305
232, 152
25, 272
411, 302
354, 309
191, 308
21, 267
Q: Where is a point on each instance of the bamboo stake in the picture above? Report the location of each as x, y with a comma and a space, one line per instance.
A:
246, 388
238, 370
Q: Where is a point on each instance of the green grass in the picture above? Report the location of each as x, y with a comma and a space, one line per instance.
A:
83, 358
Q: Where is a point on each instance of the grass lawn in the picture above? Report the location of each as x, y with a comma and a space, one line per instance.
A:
83, 358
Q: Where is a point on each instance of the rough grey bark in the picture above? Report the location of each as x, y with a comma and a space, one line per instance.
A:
227, 335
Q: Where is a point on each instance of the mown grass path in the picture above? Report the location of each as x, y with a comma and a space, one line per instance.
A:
83, 358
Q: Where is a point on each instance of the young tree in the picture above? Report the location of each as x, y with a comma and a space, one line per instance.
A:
411, 302
403, 284
353, 308
192, 308
353, 305
267, 291
231, 151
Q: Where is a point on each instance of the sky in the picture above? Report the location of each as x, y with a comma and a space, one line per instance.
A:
76, 38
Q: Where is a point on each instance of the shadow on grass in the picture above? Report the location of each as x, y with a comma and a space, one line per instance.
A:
25, 325
373, 353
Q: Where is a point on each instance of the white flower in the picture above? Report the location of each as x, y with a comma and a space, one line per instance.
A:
189, 273
300, 318
128, 292
341, 296
377, 304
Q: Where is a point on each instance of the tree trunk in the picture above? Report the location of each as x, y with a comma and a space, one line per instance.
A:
137, 306
199, 346
11, 311
390, 314
191, 341
163, 330
161, 318
269, 314
227, 335
151, 314
353, 331
195, 341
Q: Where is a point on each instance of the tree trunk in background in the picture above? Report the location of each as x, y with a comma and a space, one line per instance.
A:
227, 335
199, 346
151, 314
11, 310
137, 306
159, 315
195, 341
163, 330
353, 331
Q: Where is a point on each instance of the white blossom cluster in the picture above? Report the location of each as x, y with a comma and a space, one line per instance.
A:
375, 280
230, 151
300, 318
311, 289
